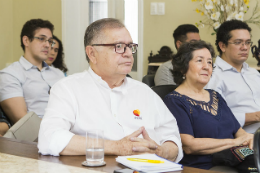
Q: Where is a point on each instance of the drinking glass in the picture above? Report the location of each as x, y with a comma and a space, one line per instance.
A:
95, 147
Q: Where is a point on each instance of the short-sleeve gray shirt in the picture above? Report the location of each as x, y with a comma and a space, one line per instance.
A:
164, 75
23, 79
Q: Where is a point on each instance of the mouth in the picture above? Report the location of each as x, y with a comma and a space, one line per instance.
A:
244, 54
127, 63
204, 74
50, 58
45, 52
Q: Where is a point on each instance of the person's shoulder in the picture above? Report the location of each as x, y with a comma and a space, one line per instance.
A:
215, 93
167, 65
253, 71
57, 71
72, 79
12, 68
15, 69
132, 83
140, 87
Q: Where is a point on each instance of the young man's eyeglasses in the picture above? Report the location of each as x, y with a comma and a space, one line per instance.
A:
121, 47
43, 39
241, 43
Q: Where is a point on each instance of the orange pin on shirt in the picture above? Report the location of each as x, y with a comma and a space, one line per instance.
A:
136, 112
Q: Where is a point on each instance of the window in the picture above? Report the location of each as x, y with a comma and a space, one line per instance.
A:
97, 10
131, 23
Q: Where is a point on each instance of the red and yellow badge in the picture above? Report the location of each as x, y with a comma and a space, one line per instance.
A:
136, 112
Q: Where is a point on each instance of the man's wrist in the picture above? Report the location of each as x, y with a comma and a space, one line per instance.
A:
110, 146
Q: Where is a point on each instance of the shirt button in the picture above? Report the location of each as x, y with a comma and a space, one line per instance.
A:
114, 115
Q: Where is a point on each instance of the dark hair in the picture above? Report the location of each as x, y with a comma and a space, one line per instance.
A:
59, 61
30, 26
93, 31
181, 60
223, 32
181, 31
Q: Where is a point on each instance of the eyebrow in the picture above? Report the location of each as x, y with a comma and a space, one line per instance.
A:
203, 57
242, 39
44, 36
122, 43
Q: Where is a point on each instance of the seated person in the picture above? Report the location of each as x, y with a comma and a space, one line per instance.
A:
25, 84
4, 123
183, 33
237, 83
56, 56
206, 123
104, 98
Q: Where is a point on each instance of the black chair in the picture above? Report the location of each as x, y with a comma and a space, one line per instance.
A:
256, 149
163, 90
149, 80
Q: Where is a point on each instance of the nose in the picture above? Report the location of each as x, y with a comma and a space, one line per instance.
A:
128, 51
52, 51
206, 65
244, 46
47, 44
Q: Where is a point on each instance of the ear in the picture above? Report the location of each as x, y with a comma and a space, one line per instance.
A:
91, 52
222, 46
26, 41
178, 44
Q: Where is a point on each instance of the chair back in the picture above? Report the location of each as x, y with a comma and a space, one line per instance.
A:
256, 149
163, 90
149, 80
27, 128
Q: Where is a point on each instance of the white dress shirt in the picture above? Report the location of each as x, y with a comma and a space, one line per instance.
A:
23, 79
84, 101
241, 90
163, 75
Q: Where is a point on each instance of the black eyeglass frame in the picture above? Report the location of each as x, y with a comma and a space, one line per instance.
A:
52, 44
126, 45
242, 43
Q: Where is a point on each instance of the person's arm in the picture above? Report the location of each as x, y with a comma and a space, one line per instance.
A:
205, 146
251, 118
11, 94
247, 138
15, 108
3, 128
129, 145
168, 149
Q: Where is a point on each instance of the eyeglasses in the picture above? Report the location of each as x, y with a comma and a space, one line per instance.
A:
43, 39
121, 47
241, 43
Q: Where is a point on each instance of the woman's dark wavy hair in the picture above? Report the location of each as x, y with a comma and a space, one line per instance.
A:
59, 61
181, 60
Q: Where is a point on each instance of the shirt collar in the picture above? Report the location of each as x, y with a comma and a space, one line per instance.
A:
122, 88
27, 65
222, 64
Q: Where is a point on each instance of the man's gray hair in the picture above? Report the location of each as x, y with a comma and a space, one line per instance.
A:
94, 30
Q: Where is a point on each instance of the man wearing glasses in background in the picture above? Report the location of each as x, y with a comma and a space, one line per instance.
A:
238, 84
25, 84
104, 98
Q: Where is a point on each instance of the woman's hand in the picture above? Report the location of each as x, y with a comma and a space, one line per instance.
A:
244, 138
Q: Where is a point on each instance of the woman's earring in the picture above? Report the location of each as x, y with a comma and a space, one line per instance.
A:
183, 77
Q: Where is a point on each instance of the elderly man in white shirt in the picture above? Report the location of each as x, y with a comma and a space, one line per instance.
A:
238, 84
133, 117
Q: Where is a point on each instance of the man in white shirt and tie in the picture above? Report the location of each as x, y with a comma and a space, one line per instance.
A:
134, 118
233, 78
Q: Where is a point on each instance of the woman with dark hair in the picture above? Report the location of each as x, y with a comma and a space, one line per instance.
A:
206, 123
55, 56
